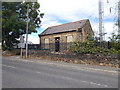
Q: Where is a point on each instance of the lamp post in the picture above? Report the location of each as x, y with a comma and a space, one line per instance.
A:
27, 31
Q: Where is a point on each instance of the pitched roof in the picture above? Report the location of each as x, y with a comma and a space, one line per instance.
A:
67, 27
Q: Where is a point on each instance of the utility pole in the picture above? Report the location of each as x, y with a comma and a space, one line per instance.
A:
100, 20
27, 30
119, 17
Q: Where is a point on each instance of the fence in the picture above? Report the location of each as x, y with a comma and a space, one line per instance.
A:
65, 46
34, 46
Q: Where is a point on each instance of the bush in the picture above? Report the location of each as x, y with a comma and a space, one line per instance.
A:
115, 45
90, 47
113, 51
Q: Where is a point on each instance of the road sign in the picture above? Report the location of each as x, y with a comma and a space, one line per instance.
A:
21, 39
22, 45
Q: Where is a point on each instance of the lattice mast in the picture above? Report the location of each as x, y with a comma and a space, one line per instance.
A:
119, 17
101, 25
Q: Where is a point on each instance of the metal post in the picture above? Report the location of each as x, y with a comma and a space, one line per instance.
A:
119, 17
100, 21
27, 31
21, 45
21, 52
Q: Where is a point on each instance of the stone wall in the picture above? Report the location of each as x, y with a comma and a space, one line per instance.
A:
63, 40
77, 35
102, 60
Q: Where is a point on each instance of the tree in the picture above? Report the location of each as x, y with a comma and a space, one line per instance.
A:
14, 21
114, 41
114, 38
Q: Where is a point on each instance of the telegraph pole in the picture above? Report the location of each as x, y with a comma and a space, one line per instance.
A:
100, 20
27, 30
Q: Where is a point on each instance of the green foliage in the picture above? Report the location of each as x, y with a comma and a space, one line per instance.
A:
114, 38
14, 21
90, 38
91, 47
113, 51
82, 47
115, 45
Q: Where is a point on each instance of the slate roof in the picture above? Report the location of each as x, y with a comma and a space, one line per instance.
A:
67, 27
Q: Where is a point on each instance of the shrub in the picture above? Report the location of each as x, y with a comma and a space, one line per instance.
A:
91, 48
113, 51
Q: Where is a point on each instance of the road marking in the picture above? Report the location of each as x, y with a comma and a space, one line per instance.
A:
80, 68
84, 68
88, 69
64, 77
38, 72
25, 60
74, 67
8, 66
71, 79
98, 84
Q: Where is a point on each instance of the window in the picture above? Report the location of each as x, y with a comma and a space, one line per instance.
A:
69, 40
46, 43
80, 36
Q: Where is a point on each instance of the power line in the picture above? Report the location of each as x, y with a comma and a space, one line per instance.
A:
117, 14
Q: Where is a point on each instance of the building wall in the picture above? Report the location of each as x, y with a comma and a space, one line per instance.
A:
88, 30
65, 38
85, 32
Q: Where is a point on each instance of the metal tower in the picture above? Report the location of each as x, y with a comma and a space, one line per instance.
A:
101, 26
119, 17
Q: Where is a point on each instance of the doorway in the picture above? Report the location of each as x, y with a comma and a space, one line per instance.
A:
57, 44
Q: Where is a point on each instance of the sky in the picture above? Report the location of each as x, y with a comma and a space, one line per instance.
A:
64, 11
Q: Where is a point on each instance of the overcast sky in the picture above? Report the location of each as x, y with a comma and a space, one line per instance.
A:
64, 11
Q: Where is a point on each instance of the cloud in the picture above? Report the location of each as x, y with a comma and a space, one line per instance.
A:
74, 10
33, 39
71, 10
62, 11
48, 22
109, 29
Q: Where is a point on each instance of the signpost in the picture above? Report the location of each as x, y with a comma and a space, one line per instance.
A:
21, 44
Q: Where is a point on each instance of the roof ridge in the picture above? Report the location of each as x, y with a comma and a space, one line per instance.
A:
68, 23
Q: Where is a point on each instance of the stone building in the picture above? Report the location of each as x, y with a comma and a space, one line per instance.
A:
58, 38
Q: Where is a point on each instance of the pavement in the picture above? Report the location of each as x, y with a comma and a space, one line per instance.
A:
33, 73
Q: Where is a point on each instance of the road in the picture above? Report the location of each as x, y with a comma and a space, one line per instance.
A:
18, 73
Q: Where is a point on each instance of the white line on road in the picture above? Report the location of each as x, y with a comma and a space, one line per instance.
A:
74, 67
79, 68
71, 79
84, 68
8, 66
38, 72
64, 77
